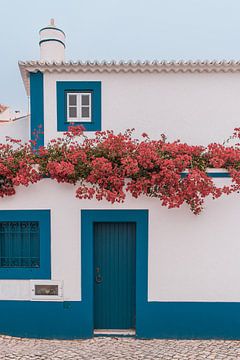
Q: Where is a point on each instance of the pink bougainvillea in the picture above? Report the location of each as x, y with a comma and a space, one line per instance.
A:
109, 165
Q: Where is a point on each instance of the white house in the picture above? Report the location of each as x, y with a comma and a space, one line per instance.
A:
133, 268
13, 124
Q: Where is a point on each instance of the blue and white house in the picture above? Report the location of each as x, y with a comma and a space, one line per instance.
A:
73, 268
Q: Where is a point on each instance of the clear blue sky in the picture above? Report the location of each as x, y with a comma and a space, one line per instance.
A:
116, 29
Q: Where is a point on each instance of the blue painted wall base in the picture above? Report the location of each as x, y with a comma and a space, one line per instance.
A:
190, 320
165, 320
48, 320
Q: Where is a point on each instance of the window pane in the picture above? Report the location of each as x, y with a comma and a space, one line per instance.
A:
19, 244
85, 99
72, 112
85, 112
72, 99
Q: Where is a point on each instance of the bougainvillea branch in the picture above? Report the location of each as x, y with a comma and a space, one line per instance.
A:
109, 165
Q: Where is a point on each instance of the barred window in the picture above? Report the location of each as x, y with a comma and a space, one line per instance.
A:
19, 244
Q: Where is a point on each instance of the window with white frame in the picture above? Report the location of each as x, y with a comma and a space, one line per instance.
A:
79, 107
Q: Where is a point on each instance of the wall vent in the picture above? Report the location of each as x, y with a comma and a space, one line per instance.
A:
46, 290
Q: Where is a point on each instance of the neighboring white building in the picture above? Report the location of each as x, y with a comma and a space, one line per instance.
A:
13, 124
174, 275
7, 114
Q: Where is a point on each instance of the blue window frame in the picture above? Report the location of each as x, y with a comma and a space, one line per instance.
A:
25, 249
66, 88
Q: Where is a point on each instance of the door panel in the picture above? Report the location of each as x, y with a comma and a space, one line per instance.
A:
114, 275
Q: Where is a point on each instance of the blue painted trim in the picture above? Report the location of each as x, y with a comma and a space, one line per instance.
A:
219, 175
43, 319
63, 87
164, 320
212, 175
44, 271
190, 320
140, 217
37, 106
45, 40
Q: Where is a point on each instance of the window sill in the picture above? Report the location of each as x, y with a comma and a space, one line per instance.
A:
70, 122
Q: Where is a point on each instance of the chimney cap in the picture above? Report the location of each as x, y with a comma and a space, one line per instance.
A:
52, 22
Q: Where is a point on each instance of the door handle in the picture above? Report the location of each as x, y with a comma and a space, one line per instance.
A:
98, 277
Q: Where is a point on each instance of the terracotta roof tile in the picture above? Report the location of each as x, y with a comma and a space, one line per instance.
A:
2, 108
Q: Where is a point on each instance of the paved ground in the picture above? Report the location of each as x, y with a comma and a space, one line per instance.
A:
117, 348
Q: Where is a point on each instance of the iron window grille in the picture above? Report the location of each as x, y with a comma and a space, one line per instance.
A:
19, 244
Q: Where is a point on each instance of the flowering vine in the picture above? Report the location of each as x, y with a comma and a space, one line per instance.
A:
110, 165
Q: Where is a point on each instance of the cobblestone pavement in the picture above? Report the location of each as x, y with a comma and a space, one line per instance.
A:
117, 348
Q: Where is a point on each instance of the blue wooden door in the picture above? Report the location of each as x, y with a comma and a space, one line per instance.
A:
114, 275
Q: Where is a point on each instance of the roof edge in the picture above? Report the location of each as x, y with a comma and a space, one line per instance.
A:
191, 66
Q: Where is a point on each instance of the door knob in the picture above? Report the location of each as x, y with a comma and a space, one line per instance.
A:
98, 277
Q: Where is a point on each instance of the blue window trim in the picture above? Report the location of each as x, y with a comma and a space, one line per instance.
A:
63, 87
44, 271
88, 217
37, 108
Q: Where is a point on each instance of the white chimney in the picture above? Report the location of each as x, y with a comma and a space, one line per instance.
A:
52, 43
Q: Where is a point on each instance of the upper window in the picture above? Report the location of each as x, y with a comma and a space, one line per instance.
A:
79, 102
25, 246
79, 106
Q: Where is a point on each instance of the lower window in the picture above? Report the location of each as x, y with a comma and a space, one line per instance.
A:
19, 244
25, 244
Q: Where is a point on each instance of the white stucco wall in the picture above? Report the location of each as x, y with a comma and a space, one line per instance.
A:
191, 258
196, 107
